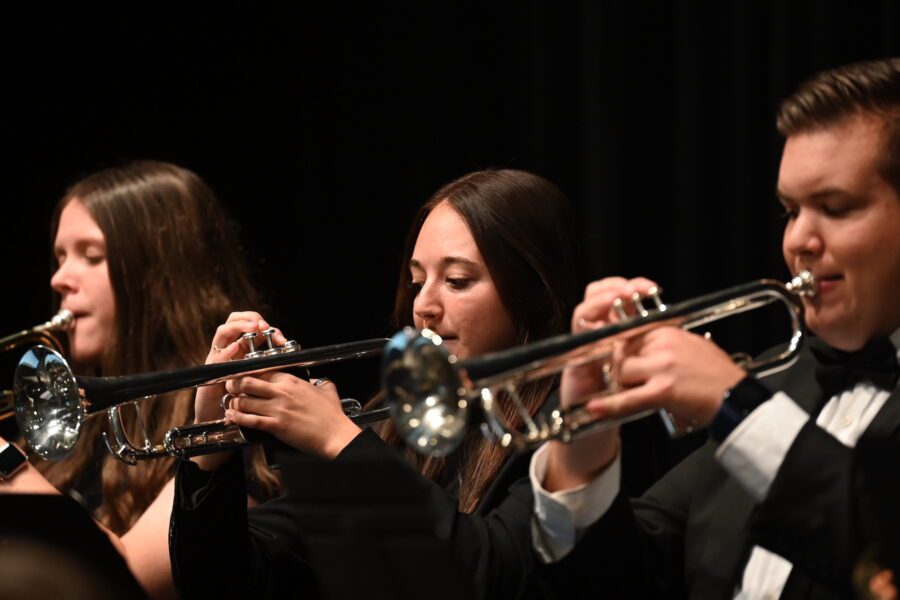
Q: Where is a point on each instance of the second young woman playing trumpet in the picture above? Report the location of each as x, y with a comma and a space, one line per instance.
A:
482, 267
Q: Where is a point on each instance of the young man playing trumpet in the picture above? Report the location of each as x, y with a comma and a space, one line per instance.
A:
777, 503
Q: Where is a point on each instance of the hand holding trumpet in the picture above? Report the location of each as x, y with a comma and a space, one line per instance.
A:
228, 344
665, 368
305, 415
681, 372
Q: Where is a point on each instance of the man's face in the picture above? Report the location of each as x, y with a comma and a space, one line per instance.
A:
843, 224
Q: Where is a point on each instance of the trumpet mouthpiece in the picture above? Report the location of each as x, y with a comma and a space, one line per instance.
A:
804, 284
62, 320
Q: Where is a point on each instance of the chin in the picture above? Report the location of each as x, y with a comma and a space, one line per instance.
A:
845, 337
459, 352
85, 357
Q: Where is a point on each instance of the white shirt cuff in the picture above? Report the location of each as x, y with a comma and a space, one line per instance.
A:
754, 451
560, 518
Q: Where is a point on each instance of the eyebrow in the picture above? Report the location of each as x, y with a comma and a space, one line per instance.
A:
83, 244
818, 195
446, 262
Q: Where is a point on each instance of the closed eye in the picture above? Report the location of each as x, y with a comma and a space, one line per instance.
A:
835, 210
789, 209
458, 283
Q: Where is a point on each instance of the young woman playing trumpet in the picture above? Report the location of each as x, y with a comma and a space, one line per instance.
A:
146, 262
490, 262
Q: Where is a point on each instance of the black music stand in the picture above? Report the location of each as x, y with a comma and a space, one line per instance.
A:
369, 532
62, 525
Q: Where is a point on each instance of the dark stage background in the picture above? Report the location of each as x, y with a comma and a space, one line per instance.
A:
323, 126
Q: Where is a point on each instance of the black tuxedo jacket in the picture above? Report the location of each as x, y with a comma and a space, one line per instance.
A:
691, 534
218, 550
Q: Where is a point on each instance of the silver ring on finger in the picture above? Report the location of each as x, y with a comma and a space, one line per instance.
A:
225, 402
587, 323
321, 381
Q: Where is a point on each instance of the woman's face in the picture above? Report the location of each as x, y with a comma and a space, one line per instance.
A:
82, 281
454, 293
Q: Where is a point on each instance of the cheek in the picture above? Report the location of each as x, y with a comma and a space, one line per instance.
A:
104, 298
488, 324
878, 276
864, 266
787, 243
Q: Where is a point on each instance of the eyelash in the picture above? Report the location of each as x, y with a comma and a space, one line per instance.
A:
788, 213
458, 283
91, 260
835, 211
455, 283
828, 211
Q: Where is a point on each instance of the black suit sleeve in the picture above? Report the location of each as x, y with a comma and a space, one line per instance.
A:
217, 551
636, 550
491, 552
218, 547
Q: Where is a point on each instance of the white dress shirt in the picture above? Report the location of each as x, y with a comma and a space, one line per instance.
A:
752, 454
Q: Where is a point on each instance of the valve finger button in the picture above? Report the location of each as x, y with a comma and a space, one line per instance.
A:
654, 294
636, 300
252, 352
270, 348
289, 346
619, 308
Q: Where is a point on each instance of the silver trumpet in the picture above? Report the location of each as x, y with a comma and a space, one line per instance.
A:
433, 396
51, 401
45, 334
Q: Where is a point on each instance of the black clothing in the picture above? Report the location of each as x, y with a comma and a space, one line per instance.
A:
691, 534
220, 548
60, 524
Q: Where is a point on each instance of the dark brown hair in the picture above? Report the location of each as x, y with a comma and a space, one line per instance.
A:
524, 228
176, 272
869, 87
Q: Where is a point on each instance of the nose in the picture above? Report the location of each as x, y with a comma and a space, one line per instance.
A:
802, 236
427, 306
64, 280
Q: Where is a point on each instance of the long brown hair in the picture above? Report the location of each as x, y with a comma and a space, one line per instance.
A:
524, 228
176, 272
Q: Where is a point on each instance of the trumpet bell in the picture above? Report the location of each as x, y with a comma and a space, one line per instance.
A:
43, 334
426, 396
48, 408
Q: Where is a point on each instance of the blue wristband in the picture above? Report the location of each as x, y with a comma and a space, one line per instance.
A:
738, 402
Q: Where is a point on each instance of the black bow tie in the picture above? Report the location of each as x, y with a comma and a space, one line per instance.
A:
837, 370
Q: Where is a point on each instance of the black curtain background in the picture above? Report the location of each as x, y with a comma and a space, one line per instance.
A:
323, 126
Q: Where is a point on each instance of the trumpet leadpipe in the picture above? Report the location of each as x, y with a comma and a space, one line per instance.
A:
51, 401
432, 393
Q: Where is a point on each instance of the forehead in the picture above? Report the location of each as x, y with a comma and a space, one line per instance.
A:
445, 233
842, 156
77, 224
